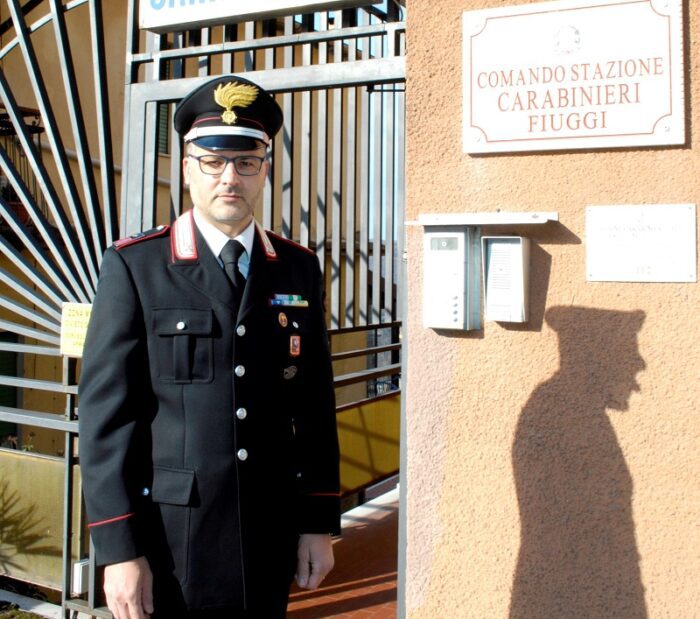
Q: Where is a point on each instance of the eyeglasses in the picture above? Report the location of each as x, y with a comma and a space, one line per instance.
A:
245, 165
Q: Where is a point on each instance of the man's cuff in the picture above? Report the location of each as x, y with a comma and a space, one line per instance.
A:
320, 513
116, 541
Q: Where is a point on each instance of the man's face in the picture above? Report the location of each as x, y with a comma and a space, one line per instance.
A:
227, 200
628, 363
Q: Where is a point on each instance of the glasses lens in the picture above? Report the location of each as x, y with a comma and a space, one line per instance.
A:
216, 164
247, 166
212, 164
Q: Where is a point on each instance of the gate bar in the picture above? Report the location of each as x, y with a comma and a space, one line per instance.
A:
88, 271
77, 120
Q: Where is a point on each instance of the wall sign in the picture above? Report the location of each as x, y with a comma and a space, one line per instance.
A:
175, 15
74, 324
641, 243
573, 74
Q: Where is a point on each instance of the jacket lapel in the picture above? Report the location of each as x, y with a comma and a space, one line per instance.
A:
205, 273
261, 276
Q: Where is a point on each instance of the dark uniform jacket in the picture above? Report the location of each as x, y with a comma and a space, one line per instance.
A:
208, 439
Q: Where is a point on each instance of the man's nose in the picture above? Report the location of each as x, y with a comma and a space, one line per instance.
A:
229, 175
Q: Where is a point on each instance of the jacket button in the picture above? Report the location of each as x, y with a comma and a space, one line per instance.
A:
180, 325
241, 413
240, 330
239, 370
242, 454
145, 492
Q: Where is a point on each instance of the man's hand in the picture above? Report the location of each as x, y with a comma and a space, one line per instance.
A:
315, 556
129, 589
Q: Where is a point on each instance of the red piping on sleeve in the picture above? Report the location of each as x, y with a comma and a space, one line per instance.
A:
110, 520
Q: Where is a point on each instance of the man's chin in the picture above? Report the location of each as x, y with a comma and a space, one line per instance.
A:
618, 404
233, 212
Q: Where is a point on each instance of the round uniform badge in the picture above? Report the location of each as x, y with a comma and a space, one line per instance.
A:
283, 319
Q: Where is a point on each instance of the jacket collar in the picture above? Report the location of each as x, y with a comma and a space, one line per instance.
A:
183, 244
192, 259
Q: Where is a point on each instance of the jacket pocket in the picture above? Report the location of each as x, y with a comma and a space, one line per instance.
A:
172, 486
173, 492
183, 344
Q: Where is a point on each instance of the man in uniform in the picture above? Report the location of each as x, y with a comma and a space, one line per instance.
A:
208, 442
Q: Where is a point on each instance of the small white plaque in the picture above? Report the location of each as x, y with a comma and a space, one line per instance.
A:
641, 243
573, 74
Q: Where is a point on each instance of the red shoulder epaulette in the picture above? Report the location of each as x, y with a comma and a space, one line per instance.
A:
141, 236
292, 243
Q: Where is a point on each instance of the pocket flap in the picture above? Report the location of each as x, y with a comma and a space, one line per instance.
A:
182, 321
173, 486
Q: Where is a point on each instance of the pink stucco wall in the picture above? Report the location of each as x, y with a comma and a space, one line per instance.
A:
553, 468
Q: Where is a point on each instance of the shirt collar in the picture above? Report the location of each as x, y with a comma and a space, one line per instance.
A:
216, 239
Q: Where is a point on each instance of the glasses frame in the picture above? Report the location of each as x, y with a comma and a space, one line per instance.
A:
233, 160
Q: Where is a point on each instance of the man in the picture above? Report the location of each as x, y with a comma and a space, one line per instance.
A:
208, 444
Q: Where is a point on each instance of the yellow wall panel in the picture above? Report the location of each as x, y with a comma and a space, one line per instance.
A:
31, 517
369, 442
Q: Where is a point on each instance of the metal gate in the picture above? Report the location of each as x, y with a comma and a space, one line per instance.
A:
336, 182
336, 186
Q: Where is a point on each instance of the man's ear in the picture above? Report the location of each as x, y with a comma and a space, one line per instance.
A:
266, 165
186, 162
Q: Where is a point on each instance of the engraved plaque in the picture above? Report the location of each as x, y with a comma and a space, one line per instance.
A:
573, 74
641, 243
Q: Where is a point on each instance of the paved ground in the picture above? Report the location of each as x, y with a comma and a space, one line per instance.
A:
363, 583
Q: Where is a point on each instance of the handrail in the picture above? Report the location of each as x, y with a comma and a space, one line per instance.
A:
361, 352
363, 375
341, 408
369, 327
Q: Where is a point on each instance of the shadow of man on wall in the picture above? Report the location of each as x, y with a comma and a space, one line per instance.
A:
578, 555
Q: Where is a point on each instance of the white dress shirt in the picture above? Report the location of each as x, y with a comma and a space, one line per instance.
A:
216, 240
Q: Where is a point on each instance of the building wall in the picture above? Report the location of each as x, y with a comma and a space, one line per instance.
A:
552, 468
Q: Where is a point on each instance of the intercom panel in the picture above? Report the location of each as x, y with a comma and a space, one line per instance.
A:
444, 279
506, 261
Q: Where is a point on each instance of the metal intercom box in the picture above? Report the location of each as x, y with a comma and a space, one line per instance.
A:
506, 261
451, 278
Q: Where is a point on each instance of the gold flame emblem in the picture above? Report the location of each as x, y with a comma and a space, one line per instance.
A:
233, 95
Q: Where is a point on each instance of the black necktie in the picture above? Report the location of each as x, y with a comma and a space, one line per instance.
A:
230, 254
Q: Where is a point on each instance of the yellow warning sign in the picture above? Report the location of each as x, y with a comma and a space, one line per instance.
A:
74, 323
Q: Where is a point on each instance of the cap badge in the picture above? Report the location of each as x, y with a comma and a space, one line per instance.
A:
232, 95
